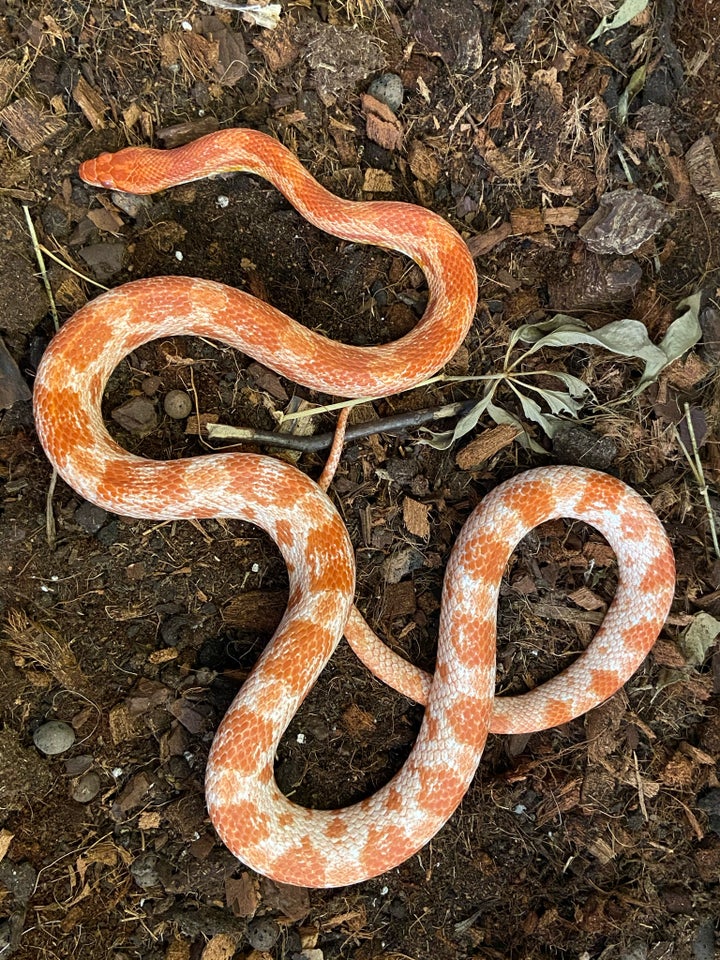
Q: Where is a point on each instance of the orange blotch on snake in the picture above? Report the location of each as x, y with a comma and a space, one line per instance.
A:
468, 719
337, 828
602, 494
284, 536
250, 731
298, 860
441, 790
660, 570
494, 553
240, 823
633, 525
383, 845
639, 637
604, 683
554, 713
394, 800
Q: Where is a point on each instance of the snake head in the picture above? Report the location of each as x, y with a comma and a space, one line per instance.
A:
119, 171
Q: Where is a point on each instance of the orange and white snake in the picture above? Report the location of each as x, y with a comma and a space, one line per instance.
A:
254, 819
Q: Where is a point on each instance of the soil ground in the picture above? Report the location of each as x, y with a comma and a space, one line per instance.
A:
598, 839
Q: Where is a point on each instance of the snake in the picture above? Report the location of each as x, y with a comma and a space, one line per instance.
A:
261, 826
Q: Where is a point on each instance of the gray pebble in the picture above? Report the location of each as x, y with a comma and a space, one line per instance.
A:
151, 385
19, 879
262, 933
76, 766
54, 737
86, 787
144, 870
388, 89
90, 517
136, 416
704, 947
177, 404
710, 804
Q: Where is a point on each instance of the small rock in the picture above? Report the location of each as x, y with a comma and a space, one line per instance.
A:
90, 517
77, 766
55, 221
399, 469
151, 385
176, 631
710, 804
54, 737
177, 404
704, 947
262, 933
13, 388
575, 445
86, 787
402, 563
109, 533
137, 416
104, 259
144, 871
710, 325
130, 203
388, 89
19, 879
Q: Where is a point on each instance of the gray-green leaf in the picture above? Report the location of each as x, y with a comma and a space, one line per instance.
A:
624, 14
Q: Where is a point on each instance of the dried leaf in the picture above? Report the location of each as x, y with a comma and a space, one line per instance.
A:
5, 841
699, 638
624, 14
628, 338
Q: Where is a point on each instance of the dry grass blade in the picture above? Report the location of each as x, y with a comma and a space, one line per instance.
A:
696, 467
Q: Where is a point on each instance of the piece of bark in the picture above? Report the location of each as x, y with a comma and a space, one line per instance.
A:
595, 282
526, 220
381, 124
624, 220
490, 442
259, 611
29, 125
91, 103
424, 162
232, 63
182, 133
415, 518
484, 242
560, 216
704, 171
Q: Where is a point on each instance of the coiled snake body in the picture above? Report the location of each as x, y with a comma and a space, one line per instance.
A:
254, 819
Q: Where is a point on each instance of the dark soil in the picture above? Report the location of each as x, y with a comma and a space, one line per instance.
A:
600, 839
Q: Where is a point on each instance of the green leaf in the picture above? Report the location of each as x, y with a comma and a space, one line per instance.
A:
575, 385
625, 13
467, 422
627, 338
637, 82
685, 331
557, 400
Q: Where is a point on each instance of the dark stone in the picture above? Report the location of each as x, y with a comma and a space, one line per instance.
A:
90, 517
577, 446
